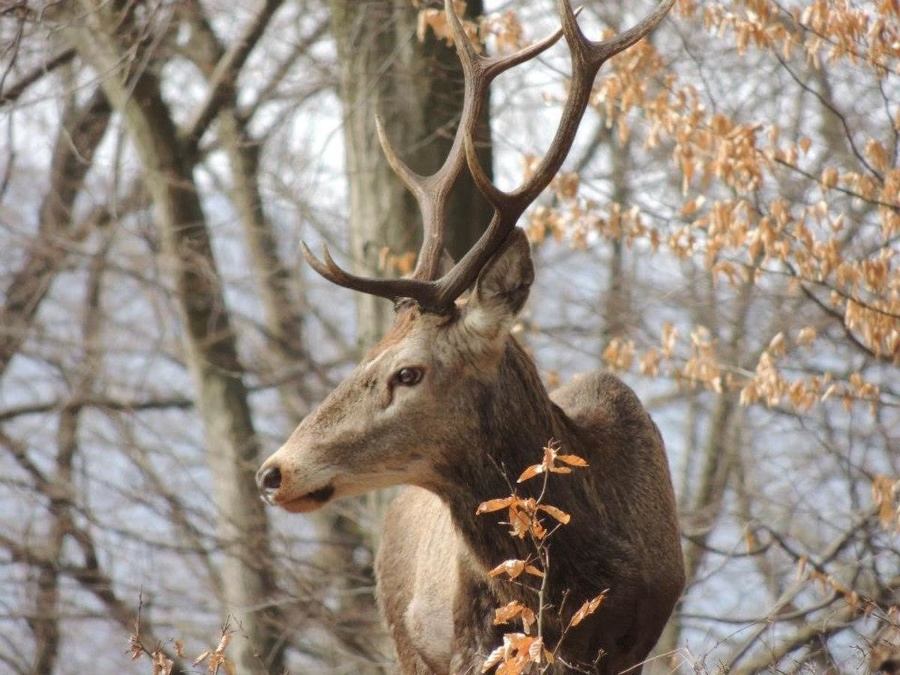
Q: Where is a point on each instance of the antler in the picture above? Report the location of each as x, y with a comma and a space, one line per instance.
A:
432, 192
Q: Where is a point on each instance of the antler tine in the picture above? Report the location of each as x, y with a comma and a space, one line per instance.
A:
422, 292
498, 65
601, 51
413, 181
494, 66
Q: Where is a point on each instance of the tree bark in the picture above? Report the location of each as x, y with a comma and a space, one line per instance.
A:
83, 129
279, 290
232, 449
617, 299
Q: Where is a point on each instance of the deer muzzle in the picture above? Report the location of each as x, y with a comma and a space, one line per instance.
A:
277, 491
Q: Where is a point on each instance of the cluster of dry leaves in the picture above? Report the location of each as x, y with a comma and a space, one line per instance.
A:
886, 498
216, 660
749, 231
525, 649
502, 28
753, 231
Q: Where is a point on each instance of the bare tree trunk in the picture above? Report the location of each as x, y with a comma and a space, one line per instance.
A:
617, 300
279, 288
47, 585
232, 452
82, 130
719, 458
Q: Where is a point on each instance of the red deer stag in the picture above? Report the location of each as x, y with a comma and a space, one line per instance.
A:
448, 401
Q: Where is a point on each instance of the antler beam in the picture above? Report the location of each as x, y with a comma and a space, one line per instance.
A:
434, 293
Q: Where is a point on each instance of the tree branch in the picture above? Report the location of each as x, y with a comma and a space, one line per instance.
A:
222, 82
12, 94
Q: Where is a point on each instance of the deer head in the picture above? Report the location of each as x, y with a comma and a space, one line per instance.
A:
413, 401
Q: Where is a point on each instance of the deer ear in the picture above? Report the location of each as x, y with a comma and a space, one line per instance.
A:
502, 288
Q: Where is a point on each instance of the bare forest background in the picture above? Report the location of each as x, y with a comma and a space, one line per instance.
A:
726, 235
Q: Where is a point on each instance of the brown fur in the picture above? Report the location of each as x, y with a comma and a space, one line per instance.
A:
405, 321
478, 417
622, 537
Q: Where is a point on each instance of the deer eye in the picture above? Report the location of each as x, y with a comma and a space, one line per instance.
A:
408, 377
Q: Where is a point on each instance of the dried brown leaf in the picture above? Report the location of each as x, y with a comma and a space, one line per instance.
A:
494, 505
534, 571
493, 658
587, 609
559, 514
515, 610
512, 568
530, 472
572, 460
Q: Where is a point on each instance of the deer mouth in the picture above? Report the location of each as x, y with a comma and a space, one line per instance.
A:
311, 501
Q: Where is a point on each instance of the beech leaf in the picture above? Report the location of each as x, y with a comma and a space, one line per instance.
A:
494, 505
493, 658
508, 612
512, 568
531, 569
571, 460
536, 649
587, 609
531, 472
559, 514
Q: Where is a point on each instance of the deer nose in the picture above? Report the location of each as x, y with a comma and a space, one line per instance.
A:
268, 479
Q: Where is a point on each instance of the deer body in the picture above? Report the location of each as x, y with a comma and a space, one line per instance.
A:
435, 553
449, 403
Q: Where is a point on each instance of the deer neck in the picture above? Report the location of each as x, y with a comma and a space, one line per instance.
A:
515, 420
